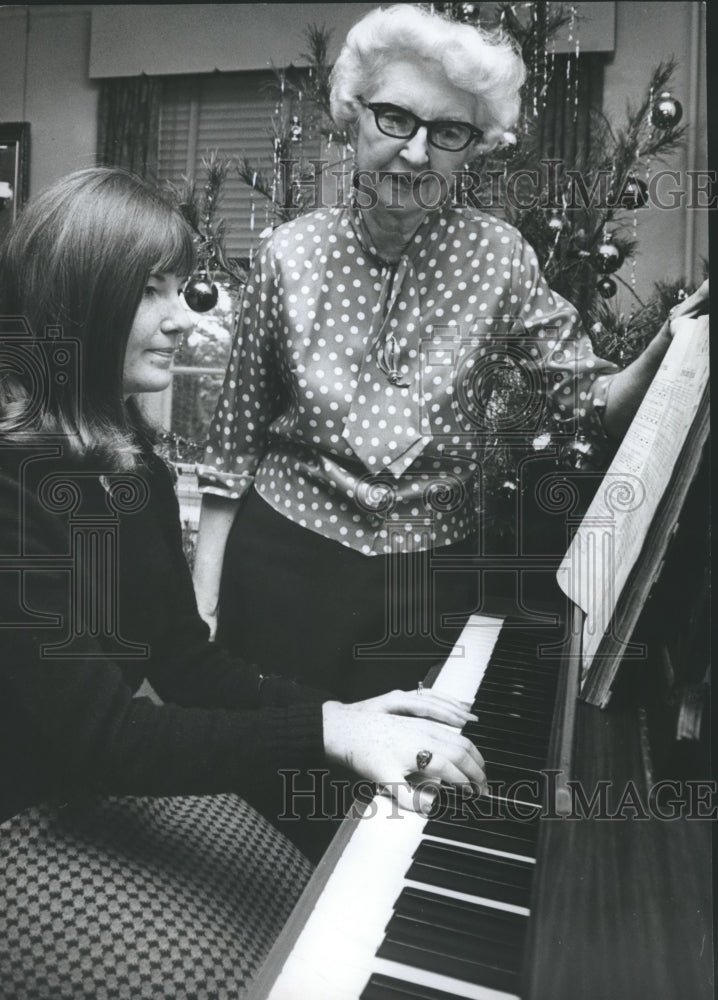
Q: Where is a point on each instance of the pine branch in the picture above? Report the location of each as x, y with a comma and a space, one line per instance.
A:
317, 56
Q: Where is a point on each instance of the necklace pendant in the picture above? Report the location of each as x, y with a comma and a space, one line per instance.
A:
394, 377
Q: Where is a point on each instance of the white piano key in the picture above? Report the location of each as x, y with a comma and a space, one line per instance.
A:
480, 849
466, 665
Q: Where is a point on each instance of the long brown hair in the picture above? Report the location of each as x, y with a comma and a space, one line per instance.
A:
78, 258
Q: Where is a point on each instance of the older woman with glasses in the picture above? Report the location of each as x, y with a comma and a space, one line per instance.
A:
342, 466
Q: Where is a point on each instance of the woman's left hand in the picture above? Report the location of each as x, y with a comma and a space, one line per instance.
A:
691, 307
423, 704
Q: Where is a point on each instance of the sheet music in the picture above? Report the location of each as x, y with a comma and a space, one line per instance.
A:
606, 546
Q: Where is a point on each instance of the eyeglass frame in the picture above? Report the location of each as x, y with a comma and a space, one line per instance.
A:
476, 134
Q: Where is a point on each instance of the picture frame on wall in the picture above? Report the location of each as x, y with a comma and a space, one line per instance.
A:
14, 171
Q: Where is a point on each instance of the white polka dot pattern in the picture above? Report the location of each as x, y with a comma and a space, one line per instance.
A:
308, 414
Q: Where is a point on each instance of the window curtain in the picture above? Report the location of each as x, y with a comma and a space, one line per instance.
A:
574, 90
128, 126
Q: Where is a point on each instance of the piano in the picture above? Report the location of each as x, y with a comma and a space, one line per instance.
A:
585, 873
502, 896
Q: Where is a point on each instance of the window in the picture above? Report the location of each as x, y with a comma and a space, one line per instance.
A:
235, 114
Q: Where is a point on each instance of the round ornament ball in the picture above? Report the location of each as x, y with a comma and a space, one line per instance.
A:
578, 454
295, 129
200, 293
508, 148
634, 193
607, 287
608, 258
508, 489
666, 111
555, 222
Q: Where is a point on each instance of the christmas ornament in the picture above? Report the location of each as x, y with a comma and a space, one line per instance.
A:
634, 193
201, 293
607, 287
607, 258
681, 294
295, 129
578, 454
508, 148
667, 111
467, 12
555, 221
508, 489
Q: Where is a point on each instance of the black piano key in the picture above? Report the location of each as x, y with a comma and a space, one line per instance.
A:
456, 805
463, 870
483, 867
518, 708
526, 662
527, 656
496, 740
521, 686
387, 988
520, 689
513, 758
399, 946
504, 738
515, 784
453, 945
485, 736
525, 672
507, 721
506, 681
485, 923
508, 835
492, 835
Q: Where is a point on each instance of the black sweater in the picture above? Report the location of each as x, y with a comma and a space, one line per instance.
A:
69, 720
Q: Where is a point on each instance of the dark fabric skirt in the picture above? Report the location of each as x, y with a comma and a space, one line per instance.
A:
307, 607
141, 899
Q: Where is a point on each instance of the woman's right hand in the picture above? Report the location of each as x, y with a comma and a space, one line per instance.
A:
209, 618
384, 748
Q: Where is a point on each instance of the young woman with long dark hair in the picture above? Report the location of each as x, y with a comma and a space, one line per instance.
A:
131, 866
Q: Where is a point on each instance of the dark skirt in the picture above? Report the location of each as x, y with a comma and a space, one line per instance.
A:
307, 607
141, 898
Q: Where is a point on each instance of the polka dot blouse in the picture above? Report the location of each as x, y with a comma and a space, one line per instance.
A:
352, 399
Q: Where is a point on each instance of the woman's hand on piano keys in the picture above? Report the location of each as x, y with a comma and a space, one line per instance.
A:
383, 747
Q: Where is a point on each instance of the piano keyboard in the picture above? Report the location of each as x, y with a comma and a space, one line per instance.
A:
437, 909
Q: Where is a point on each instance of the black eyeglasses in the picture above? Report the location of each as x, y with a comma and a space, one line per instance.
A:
399, 123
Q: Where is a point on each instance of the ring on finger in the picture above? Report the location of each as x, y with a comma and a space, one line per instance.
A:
423, 759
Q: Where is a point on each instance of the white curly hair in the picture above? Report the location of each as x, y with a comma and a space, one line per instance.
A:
484, 64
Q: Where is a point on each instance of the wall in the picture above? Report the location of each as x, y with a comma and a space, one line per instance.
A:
44, 56
44, 79
203, 37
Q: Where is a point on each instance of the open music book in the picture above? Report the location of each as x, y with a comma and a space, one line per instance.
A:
617, 552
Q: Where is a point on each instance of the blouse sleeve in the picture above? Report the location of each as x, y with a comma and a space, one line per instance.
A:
251, 395
576, 379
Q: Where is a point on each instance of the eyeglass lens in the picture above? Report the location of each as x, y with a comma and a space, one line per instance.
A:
401, 124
